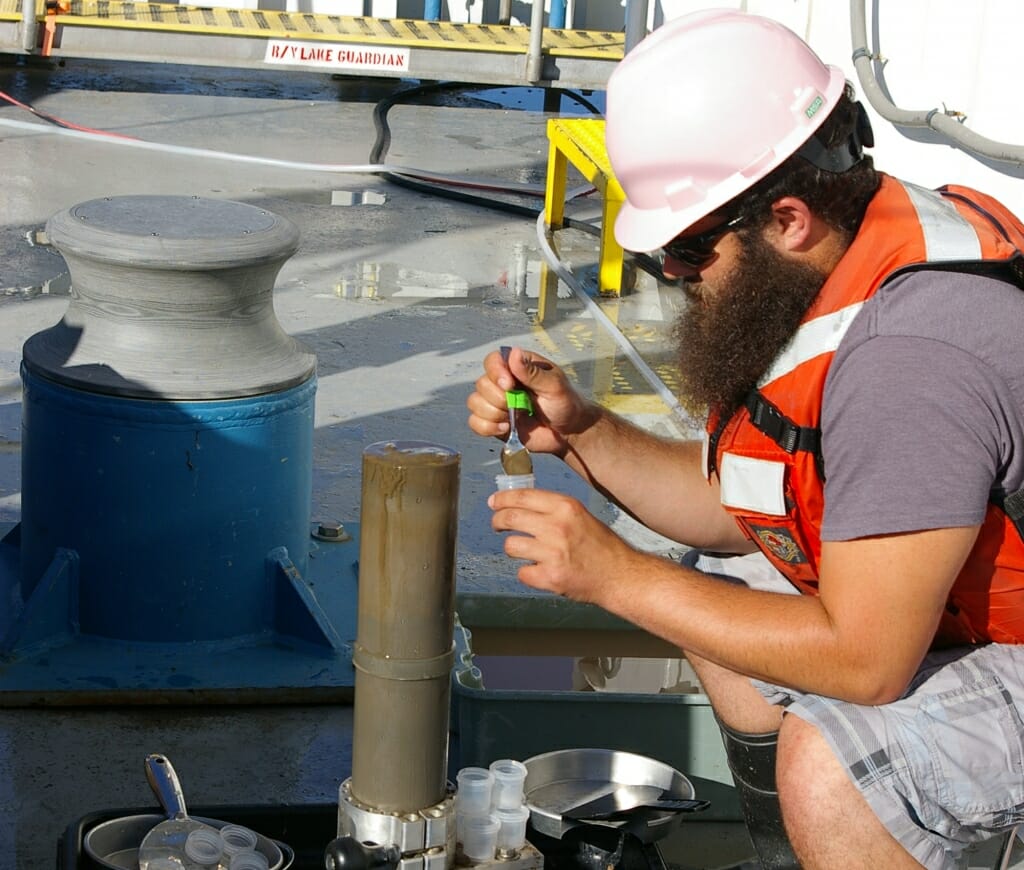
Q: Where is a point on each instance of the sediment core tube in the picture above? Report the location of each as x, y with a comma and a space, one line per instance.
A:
404, 638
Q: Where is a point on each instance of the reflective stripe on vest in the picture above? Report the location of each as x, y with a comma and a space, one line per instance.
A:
821, 335
947, 235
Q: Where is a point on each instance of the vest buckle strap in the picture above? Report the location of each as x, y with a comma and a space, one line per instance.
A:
1013, 506
770, 421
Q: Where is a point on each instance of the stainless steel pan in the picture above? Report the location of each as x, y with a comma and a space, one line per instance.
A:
559, 783
115, 843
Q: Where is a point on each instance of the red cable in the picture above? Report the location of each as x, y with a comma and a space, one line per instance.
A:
60, 122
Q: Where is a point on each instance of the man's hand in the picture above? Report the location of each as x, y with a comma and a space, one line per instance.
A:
567, 550
657, 480
559, 411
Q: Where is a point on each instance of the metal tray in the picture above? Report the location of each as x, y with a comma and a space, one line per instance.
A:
306, 828
556, 782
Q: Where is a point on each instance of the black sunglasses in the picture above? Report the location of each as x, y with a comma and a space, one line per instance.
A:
698, 250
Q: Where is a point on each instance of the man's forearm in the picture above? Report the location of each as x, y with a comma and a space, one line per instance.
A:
659, 481
789, 640
861, 639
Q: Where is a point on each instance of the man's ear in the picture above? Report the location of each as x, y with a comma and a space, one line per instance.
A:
793, 225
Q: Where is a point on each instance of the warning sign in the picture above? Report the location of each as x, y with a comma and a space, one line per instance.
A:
336, 55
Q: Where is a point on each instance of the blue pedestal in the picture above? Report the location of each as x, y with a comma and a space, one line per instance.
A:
304, 655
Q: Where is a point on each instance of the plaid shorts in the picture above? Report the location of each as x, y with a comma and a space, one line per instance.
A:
943, 766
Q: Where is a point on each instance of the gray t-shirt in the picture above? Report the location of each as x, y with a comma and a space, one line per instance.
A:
923, 412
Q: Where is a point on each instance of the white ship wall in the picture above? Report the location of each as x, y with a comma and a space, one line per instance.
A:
956, 55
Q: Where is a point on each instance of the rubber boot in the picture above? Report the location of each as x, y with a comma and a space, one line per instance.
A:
752, 762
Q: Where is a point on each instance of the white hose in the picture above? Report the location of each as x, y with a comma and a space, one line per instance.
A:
370, 168
356, 168
684, 418
933, 119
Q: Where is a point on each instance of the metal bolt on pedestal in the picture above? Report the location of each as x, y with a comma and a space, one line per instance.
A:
331, 530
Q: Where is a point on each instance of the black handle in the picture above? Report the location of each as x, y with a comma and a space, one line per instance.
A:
347, 853
674, 805
603, 809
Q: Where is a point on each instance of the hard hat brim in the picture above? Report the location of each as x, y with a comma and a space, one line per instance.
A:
644, 230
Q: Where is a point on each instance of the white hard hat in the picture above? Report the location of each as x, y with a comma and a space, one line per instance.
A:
702, 109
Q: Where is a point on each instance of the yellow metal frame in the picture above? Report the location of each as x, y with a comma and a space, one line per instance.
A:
273, 24
580, 141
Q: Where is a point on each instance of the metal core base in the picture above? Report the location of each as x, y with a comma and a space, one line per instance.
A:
527, 857
426, 837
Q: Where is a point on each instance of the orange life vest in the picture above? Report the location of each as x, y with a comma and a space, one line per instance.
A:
768, 457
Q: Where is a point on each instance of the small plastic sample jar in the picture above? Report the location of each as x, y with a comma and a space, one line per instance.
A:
238, 839
473, 793
509, 783
249, 860
204, 847
514, 481
512, 834
480, 837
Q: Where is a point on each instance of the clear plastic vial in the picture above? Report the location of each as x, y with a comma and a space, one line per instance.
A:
204, 847
249, 860
514, 481
512, 834
480, 837
509, 783
238, 839
473, 794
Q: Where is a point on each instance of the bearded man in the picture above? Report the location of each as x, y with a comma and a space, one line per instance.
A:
854, 598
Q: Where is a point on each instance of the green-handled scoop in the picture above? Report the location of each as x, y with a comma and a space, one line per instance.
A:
515, 458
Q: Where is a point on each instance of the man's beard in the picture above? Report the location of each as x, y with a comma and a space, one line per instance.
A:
729, 335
